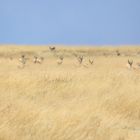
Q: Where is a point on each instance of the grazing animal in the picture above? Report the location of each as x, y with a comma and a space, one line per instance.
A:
130, 62
60, 60
91, 61
38, 59
52, 48
35, 59
80, 59
118, 53
22, 61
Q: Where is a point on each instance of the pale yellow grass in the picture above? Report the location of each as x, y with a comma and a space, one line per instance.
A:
69, 102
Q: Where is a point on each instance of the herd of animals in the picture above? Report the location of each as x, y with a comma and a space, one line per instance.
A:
40, 60
80, 58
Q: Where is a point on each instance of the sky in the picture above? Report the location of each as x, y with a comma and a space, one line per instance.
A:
70, 22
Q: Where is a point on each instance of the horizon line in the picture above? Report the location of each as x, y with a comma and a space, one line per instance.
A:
92, 45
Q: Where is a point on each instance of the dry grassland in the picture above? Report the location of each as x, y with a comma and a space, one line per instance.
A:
71, 101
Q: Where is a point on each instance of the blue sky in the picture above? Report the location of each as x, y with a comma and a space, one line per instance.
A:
71, 22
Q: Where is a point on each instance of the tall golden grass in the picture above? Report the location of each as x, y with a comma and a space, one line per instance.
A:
70, 101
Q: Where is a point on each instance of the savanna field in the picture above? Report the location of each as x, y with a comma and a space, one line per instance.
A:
72, 93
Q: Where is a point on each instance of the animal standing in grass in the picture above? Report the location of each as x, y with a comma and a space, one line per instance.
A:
130, 63
38, 59
60, 60
80, 59
22, 61
91, 61
118, 53
52, 48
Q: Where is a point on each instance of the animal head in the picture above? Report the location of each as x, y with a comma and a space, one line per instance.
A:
130, 62
90, 61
